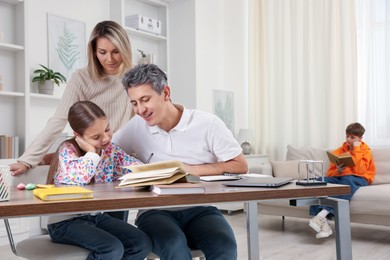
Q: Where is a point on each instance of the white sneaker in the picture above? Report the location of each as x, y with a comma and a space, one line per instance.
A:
326, 231
317, 222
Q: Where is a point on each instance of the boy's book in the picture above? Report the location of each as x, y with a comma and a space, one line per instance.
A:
63, 193
178, 188
165, 172
345, 159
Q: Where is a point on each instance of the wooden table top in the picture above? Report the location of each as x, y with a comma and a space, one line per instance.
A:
107, 197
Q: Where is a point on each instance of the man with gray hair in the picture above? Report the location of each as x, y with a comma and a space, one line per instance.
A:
198, 139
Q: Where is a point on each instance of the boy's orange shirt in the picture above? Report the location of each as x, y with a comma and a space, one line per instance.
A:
364, 164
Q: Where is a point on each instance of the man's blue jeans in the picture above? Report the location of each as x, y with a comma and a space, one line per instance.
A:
105, 236
354, 181
174, 232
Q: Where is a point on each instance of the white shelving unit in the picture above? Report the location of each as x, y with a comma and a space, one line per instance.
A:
149, 43
13, 72
15, 86
18, 101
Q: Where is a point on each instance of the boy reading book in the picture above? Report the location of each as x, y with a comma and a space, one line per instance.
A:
344, 159
90, 156
359, 174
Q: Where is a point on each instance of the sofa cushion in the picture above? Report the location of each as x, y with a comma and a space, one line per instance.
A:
381, 158
308, 153
368, 200
285, 168
371, 200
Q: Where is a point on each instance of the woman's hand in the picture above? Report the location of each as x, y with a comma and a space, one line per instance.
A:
86, 147
17, 168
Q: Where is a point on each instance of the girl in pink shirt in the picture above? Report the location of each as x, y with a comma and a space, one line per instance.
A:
90, 156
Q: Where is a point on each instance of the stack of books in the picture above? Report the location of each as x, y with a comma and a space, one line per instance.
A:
9, 147
166, 177
165, 172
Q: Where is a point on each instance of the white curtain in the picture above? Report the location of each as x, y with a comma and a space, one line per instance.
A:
301, 73
373, 38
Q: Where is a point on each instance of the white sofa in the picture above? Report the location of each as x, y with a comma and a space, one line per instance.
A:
369, 205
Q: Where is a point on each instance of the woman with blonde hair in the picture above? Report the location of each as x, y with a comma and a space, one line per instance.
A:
109, 56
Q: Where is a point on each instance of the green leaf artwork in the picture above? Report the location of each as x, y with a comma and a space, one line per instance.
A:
224, 107
68, 52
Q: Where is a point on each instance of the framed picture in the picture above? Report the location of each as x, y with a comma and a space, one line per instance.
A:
67, 50
223, 106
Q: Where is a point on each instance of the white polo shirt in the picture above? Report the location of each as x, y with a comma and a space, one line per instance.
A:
198, 138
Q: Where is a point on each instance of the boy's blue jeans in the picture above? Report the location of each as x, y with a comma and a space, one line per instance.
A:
105, 236
174, 232
354, 181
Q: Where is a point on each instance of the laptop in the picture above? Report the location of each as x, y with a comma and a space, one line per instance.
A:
259, 182
220, 178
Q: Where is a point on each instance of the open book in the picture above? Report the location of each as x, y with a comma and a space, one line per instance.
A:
344, 159
165, 172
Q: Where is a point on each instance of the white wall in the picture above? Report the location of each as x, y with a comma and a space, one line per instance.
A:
89, 11
207, 49
221, 63
182, 62
218, 53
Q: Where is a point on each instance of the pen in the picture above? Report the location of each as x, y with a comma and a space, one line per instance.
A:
150, 157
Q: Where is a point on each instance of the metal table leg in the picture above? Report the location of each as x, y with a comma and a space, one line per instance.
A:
342, 222
343, 227
252, 230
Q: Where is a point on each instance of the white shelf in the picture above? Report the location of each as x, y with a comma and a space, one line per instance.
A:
11, 94
149, 43
44, 96
10, 47
154, 2
13, 70
145, 34
12, 2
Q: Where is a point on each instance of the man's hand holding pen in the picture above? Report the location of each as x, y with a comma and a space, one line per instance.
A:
149, 158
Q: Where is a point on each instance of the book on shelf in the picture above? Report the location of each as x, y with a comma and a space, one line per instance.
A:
2, 146
63, 193
344, 159
9, 147
178, 188
164, 172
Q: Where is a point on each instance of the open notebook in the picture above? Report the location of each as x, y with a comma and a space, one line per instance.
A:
259, 182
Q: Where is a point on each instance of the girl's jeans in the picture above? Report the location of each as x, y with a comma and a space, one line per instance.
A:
105, 236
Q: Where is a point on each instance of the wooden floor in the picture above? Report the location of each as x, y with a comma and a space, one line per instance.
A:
298, 240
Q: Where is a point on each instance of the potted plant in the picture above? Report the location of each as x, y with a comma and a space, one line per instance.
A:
143, 57
46, 79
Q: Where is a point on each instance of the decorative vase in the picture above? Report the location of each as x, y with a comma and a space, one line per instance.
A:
246, 148
143, 60
46, 88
